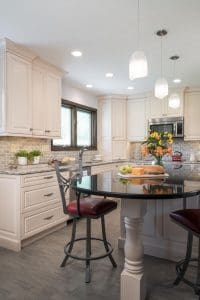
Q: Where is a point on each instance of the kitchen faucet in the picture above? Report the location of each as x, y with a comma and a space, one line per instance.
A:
80, 158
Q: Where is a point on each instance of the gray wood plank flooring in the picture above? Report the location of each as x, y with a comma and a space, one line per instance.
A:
34, 273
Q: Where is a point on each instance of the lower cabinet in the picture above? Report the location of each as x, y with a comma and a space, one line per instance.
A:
36, 221
162, 237
29, 204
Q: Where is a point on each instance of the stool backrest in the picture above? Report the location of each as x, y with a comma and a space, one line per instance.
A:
64, 185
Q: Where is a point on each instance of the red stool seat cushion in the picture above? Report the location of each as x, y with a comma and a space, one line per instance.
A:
93, 207
188, 218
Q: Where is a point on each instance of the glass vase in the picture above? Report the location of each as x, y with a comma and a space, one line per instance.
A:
158, 160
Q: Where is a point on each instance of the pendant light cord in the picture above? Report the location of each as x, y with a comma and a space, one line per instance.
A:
138, 24
161, 62
174, 69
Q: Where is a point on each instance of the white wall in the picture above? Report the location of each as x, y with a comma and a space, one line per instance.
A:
77, 95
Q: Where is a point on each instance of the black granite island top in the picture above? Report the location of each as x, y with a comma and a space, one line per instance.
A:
183, 181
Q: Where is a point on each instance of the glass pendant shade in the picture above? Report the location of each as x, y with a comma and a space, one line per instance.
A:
138, 66
174, 101
161, 88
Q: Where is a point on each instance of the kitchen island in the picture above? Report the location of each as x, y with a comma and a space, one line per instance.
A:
138, 197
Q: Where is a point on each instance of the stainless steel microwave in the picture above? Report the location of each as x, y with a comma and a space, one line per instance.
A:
173, 125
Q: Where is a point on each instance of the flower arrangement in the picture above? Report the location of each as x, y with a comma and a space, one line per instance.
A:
158, 145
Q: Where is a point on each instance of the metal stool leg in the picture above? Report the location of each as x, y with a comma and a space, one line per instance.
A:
88, 250
105, 241
197, 286
181, 272
71, 243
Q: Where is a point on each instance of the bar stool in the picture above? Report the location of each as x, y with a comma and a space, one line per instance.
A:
189, 219
88, 208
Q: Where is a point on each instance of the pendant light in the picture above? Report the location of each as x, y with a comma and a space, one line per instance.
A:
161, 85
174, 99
138, 66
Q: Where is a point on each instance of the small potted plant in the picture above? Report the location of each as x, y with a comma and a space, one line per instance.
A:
22, 156
34, 156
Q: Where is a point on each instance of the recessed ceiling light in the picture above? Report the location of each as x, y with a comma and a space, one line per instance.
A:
89, 86
109, 75
130, 88
76, 53
177, 80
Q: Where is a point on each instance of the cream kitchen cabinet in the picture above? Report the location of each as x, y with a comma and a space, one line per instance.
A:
118, 119
46, 101
30, 100
16, 93
136, 119
159, 108
112, 127
191, 115
119, 149
29, 205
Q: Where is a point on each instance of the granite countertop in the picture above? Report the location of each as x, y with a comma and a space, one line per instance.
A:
44, 167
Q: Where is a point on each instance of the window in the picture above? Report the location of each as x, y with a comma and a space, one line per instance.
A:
78, 127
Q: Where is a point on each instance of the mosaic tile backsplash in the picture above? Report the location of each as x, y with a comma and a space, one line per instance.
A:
187, 148
10, 145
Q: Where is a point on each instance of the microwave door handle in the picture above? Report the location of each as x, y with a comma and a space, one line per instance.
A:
175, 129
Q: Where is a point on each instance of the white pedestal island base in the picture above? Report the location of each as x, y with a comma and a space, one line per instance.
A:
132, 277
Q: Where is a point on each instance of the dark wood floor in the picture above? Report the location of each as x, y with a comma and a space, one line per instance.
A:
34, 273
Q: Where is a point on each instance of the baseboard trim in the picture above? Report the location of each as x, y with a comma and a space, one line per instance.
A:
10, 244
42, 234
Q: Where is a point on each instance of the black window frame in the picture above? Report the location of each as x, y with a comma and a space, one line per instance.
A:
78, 107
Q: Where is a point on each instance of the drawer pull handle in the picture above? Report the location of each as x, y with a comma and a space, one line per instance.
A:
48, 177
48, 218
47, 131
48, 195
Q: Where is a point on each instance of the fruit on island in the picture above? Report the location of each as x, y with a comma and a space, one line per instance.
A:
125, 169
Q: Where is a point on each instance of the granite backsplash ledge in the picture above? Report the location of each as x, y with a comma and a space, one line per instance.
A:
186, 147
10, 145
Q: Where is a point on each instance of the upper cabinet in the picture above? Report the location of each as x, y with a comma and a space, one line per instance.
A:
137, 119
18, 98
112, 127
46, 100
159, 108
30, 93
118, 108
192, 115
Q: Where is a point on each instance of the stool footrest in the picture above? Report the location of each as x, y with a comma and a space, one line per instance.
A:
84, 258
179, 266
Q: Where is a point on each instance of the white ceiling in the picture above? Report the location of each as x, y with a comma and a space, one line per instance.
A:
105, 31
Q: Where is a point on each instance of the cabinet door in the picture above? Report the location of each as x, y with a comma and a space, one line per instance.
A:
53, 106
106, 148
119, 150
39, 105
156, 108
105, 119
174, 112
118, 118
18, 95
192, 116
136, 120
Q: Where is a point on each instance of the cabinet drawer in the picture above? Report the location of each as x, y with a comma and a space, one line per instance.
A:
36, 197
34, 223
38, 178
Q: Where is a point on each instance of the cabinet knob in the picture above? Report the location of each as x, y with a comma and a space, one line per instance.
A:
31, 129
